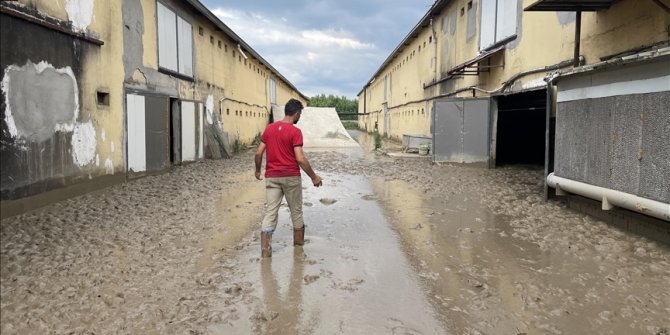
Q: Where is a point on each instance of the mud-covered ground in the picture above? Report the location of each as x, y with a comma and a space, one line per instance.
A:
398, 245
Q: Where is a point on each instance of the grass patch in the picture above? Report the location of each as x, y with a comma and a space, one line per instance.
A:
257, 139
350, 125
237, 145
378, 140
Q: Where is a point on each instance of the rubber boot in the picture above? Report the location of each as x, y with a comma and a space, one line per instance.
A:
299, 236
266, 247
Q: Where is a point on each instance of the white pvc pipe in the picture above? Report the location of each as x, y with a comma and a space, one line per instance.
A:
611, 198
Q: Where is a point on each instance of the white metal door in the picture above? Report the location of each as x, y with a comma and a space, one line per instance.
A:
135, 118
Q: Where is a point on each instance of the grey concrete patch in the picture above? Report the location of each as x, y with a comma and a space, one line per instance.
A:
40, 100
472, 21
133, 46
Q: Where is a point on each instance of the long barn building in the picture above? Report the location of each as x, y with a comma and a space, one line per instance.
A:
579, 87
96, 92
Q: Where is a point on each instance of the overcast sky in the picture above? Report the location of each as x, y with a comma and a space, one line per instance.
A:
322, 46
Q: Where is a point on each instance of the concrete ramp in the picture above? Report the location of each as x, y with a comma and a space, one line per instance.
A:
321, 128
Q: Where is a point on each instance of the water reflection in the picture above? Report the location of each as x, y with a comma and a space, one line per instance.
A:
283, 311
237, 213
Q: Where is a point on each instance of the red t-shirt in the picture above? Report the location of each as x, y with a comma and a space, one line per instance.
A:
280, 138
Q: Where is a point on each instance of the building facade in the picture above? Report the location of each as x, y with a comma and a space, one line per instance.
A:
96, 91
497, 82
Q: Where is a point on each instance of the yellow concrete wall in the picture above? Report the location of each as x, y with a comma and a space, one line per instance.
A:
403, 78
543, 38
106, 25
108, 120
237, 85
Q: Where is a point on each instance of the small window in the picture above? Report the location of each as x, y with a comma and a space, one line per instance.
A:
462, 11
469, 5
227, 111
225, 47
219, 44
430, 39
102, 98
201, 31
211, 39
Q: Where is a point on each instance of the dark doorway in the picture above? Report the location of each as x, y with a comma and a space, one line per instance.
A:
175, 132
521, 128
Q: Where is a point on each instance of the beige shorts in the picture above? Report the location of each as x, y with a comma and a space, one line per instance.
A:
275, 190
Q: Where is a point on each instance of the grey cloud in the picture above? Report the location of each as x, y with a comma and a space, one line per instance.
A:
376, 23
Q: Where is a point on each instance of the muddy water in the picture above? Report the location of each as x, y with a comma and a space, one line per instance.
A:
495, 259
351, 277
393, 246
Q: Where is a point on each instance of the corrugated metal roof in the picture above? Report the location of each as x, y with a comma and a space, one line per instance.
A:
569, 5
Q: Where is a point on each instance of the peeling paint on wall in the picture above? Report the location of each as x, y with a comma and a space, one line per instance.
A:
566, 18
39, 100
83, 143
210, 109
80, 13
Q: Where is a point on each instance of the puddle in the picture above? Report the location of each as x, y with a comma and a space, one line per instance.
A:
350, 277
237, 213
481, 279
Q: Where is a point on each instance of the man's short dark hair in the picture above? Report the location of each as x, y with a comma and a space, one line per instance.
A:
292, 106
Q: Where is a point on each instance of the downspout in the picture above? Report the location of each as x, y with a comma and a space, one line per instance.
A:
221, 111
610, 198
547, 135
239, 48
432, 27
578, 30
365, 106
365, 99
437, 88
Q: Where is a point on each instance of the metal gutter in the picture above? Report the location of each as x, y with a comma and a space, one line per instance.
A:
616, 62
226, 30
569, 5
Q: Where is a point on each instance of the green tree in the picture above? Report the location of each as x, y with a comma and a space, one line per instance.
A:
342, 105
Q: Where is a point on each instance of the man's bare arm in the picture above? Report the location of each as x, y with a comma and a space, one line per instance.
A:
258, 159
304, 164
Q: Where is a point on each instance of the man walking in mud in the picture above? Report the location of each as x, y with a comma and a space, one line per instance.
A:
283, 142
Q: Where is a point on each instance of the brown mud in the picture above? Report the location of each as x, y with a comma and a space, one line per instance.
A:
393, 246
